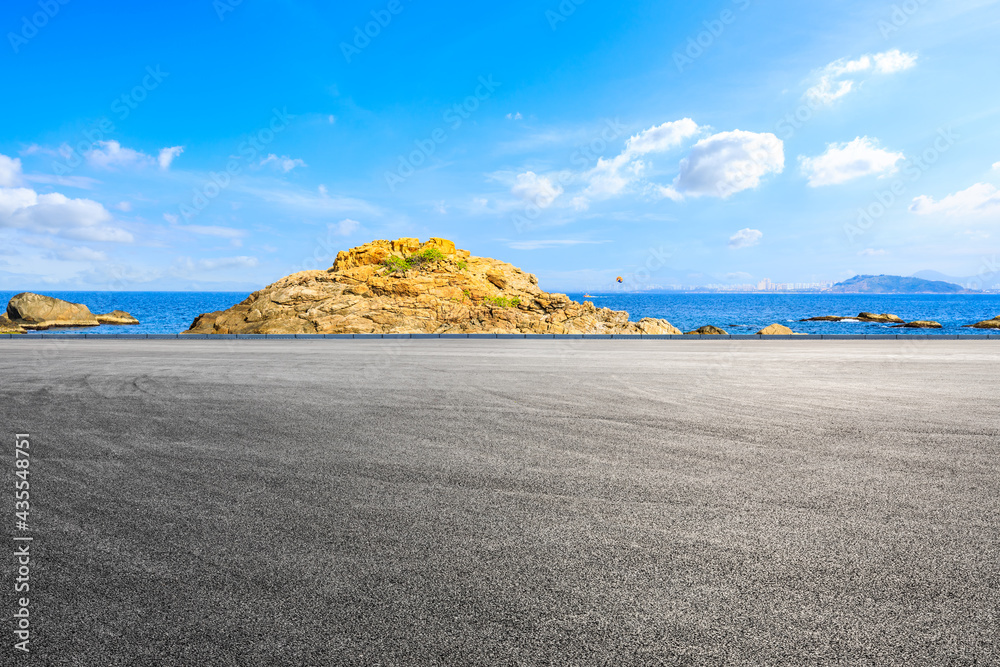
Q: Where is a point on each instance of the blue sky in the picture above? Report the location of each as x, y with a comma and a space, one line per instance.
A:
223, 144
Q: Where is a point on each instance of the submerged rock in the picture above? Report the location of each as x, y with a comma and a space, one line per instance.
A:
708, 330
825, 318
986, 324
861, 317
881, 317
405, 286
116, 317
8, 327
919, 324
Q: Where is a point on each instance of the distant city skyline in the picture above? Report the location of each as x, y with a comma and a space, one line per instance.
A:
224, 145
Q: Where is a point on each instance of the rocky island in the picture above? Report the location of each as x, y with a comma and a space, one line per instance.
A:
30, 311
405, 286
883, 284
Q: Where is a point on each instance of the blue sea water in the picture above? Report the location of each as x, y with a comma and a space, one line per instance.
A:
749, 313
157, 312
173, 312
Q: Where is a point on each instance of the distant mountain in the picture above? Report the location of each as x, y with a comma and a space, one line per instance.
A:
987, 280
895, 285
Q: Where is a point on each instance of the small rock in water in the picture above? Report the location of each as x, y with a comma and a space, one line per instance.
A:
919, 324
708, 330
776, 330
986, 324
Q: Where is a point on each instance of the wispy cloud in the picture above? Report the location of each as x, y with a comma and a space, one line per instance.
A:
844, 162
112, 155
282, 163
839, 77
977, 200
549, 243
745, 238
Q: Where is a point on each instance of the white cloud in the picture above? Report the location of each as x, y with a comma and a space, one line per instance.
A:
536, 189
12, 175
662, 137
210, 230
833, 82
343, 228
283, 163
124, 206
996, 166
82, 254
514, 116
167, 156
980, 199
10, 171
227, 263
112, 155
611, 177
185, 265
828, 91
745, 238
79, 182
667, 192
549, 243
83, 219
872, 252
306, 202
847, 161
726, 163
607, 178
894, 61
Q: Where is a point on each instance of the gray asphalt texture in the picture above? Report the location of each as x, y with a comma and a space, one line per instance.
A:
508, 502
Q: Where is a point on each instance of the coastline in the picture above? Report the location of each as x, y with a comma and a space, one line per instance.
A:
739, 314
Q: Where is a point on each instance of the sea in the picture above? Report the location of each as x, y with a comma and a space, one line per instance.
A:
173, 312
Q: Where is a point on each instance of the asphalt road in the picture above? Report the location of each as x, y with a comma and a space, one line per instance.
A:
507, 502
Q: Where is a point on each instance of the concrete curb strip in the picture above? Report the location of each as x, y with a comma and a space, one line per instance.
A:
519, 336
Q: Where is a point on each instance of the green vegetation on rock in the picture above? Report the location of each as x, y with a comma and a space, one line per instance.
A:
502, 301
396, 264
